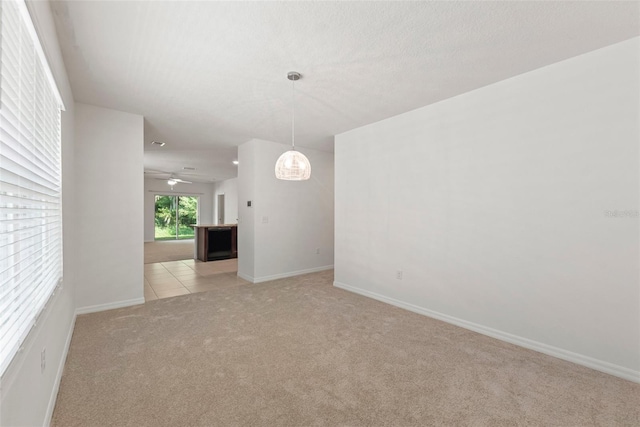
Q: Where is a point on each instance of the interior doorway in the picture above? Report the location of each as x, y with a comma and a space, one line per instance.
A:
174, 216
220, 208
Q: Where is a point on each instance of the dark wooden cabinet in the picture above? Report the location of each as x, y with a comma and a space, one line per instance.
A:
215, 242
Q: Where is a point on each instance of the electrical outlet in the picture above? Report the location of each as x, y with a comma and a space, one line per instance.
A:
43, 359
399, 274
317, 250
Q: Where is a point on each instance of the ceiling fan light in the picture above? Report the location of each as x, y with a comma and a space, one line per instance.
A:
172, 182
293, 166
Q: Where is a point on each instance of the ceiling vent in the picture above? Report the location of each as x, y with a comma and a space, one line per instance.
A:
188, 168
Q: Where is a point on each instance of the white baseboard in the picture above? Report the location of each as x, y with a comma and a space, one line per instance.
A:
56, 384
245, 277
284, 275
579, 359
109, 306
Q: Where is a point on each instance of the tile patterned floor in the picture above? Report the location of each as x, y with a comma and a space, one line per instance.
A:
169, 279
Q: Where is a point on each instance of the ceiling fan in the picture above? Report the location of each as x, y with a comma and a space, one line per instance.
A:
173, 181
171, 178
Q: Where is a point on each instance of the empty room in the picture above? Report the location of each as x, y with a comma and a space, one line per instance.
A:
301, 213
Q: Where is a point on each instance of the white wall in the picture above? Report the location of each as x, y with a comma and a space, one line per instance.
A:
493, 204
153, 187
27, 395
292, 220
246, 215
229, 188
109, 217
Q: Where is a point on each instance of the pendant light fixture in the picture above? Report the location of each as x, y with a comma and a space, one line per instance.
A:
293, 165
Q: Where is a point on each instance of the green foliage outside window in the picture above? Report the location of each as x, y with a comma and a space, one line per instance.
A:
168, 210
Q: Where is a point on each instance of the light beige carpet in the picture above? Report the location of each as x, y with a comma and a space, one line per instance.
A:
168, 250
299, 352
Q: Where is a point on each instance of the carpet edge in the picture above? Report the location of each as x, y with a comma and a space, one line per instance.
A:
56, 385
284, 275
109, 306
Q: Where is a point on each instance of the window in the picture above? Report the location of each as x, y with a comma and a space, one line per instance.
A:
174, 217
30, 180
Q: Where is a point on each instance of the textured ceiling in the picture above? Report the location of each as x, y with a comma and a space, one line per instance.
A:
208, 76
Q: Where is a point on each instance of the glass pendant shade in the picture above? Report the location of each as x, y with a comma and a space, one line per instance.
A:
293, 166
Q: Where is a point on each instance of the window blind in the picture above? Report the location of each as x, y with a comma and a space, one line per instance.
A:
30, 180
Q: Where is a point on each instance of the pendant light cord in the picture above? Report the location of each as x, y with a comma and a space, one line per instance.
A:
293, 114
